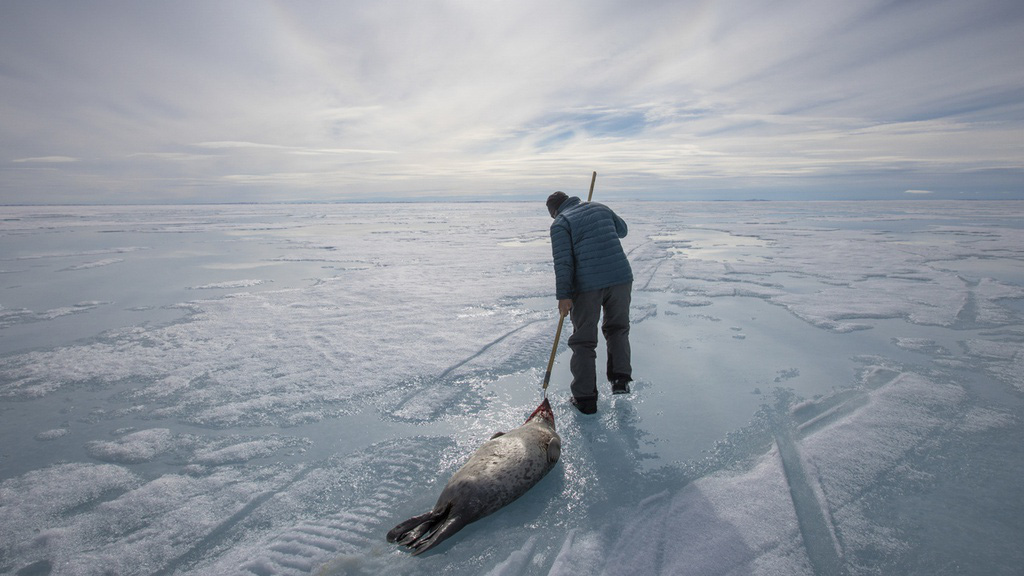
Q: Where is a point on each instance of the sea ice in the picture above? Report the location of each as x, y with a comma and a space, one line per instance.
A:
820, 388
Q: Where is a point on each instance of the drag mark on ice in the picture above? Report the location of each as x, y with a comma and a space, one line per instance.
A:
816, 529
483, 350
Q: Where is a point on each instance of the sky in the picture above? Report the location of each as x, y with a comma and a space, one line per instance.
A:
290, 101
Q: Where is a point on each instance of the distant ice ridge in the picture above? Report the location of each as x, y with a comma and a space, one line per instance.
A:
21, 316
95, 264
70, 253
231, 284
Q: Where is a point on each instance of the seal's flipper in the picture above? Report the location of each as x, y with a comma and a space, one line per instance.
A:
450, 526
414, 528
402, 533
554, 449
423, 532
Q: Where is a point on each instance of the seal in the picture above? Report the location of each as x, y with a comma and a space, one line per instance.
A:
501, 470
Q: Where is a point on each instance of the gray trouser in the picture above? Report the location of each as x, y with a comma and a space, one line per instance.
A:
586, 309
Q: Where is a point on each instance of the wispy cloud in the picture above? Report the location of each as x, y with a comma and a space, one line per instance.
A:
323, 100
45, 160
289, 149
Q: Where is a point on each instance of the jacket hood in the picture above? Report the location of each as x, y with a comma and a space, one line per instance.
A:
569, 203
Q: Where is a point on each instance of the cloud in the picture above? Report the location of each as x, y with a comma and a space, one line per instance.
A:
327, 100
920, 192
288, 149
45, 160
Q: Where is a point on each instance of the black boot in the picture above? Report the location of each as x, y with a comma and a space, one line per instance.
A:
585, 405
620, 386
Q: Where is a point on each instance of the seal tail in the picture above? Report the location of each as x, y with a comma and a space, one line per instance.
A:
423, 532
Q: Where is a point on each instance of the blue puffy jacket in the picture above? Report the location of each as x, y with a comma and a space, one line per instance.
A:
586, 248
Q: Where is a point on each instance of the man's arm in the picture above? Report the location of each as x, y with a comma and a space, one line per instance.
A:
561, 252
620, 225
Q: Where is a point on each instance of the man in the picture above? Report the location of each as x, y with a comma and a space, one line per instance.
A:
592, 274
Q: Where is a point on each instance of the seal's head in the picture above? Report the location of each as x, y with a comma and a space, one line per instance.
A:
544, 412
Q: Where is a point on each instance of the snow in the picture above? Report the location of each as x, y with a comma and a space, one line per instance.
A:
267, 389
133, 448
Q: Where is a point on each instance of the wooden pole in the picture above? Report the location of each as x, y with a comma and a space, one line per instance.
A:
561, 317
554, 348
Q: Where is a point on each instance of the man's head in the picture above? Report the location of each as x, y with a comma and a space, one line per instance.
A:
555, 202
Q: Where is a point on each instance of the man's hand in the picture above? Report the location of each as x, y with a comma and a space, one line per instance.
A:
564, 305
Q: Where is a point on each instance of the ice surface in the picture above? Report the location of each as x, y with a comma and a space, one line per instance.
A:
821, 388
